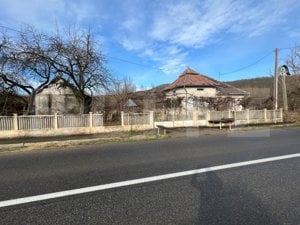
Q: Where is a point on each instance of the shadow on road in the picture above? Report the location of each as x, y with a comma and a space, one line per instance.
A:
220, 204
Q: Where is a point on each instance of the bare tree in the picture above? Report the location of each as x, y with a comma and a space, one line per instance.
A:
121, 90
24, 67
77, 58
31, 60
293, 60
117, 96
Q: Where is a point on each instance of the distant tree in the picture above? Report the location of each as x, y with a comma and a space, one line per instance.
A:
10, 102
294, 99
293, 60
173, 103
117, 95
245, 102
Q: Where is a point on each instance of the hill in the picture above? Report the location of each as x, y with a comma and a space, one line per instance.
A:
261, 89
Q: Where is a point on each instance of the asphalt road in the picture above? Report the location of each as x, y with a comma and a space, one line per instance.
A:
266, 193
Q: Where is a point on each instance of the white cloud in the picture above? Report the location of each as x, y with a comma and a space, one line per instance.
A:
164, 31
46, 15
171, 58
191, 23
263, 17
199, 23
173, 66
132, 44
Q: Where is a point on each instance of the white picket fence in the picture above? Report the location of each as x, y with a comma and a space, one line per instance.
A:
205, 118
6, 123
249, 116
41, 122
138, 120
135, 118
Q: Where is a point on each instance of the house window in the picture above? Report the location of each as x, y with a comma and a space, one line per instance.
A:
200, 89
174, 93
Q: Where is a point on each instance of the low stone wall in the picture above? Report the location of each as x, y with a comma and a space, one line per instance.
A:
183, 123
70, 131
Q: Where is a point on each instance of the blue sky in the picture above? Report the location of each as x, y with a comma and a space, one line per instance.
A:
152, 42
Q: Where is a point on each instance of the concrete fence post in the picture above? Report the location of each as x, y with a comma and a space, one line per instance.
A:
207, 117
265, 115
55, 125
221, 116
15, 121
248, 116
173, 118
91, 119
151, 119
274, 116
234, 118
195, 118
122, 118
281, 115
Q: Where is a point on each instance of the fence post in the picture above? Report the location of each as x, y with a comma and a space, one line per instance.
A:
195, 118
265, 115
122, 118
234, 117
221, 120
281, 115
15, 121
248, 115
55, 121
101, 120
173, 118
151, 119
207, 117
91, 120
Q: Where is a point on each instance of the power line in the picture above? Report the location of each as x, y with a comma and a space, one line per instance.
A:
250, 65
134, 63
289, 48
157, 68
9, 28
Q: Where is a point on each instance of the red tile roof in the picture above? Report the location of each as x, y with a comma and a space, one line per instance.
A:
190, 78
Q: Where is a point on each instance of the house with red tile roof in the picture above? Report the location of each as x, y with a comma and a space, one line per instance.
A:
194, 88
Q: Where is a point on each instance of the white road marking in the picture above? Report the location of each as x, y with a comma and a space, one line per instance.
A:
78, 191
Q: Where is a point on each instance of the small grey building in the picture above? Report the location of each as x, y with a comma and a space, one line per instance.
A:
57, 97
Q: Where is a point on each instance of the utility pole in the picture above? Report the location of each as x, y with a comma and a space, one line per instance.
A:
275, 90
284, 71
284, 94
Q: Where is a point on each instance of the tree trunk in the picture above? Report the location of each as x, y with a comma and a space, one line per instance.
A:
30, 106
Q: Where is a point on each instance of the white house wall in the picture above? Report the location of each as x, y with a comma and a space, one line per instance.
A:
192, 92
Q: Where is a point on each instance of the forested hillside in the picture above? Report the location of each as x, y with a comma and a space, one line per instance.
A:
261, 91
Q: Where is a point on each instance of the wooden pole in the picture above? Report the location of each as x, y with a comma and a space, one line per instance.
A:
275, 93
